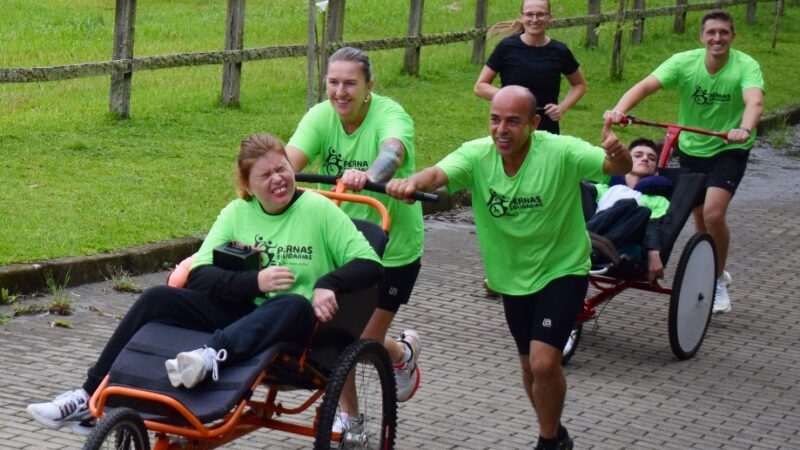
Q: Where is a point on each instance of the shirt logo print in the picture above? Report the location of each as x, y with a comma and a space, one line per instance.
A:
500, 205
497, 204
704, 97
334, 164
267, 248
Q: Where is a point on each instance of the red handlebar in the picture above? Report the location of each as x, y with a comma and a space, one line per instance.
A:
673, 130
635, 120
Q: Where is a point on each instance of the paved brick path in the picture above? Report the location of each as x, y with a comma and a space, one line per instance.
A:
626, 390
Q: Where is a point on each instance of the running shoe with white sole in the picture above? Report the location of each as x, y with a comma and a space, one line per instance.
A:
70, 409
726, 278
722, 302
407, 374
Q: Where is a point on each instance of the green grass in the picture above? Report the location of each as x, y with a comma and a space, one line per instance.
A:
75, 181
59, 303
122, 280
6, 297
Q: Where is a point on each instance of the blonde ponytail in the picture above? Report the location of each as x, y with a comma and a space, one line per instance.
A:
506, 28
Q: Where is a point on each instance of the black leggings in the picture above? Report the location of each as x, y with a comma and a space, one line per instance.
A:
242, 329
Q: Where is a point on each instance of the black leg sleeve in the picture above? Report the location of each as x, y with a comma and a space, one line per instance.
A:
354, 276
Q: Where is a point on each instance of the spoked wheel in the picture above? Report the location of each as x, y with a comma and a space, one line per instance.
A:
120, 429
692, 296
572, 344
373, 425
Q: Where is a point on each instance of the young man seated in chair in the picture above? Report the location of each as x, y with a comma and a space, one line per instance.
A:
630, 208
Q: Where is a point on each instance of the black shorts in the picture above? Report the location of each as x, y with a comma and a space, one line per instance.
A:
725, 169
548, 315
395, 288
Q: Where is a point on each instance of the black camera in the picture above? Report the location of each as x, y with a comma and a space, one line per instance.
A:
237, 256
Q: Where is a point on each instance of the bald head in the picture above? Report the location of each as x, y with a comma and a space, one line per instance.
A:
517, 97
511, 123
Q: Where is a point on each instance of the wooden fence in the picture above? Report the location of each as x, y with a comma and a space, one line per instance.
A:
123, 64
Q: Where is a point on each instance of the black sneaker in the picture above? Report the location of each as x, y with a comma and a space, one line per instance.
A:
562, 441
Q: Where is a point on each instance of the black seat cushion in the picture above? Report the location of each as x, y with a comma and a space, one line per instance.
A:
689, 192
140, 365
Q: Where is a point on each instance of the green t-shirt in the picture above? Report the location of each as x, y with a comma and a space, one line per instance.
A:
320, 135
713, 102
530, 226
312, 237
657, 204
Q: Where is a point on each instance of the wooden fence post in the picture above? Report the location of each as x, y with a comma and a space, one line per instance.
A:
750, 16
334, 27
234, 40
124, 26
591, 29
778, 12
479, 44
337, 18
311, 56
638, 25
411, 61
680, 18
617, 56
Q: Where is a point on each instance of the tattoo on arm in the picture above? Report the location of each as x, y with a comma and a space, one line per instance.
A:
390, 155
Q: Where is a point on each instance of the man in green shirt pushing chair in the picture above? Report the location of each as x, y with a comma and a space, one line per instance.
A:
527, 204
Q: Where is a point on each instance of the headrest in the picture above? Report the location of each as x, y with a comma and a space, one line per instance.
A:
655, 185
652, 185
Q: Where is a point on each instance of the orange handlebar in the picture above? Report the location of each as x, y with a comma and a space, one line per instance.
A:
355, 198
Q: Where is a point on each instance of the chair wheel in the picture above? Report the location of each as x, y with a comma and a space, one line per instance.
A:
692, 296
121, 428
368, 362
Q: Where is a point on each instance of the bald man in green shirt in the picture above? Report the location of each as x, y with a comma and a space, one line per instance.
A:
526, 200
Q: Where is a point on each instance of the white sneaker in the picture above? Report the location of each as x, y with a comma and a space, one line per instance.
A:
346, 422
722, 303
407, 374
726, 278
352, 430
70, 409
190, 368
339, 424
